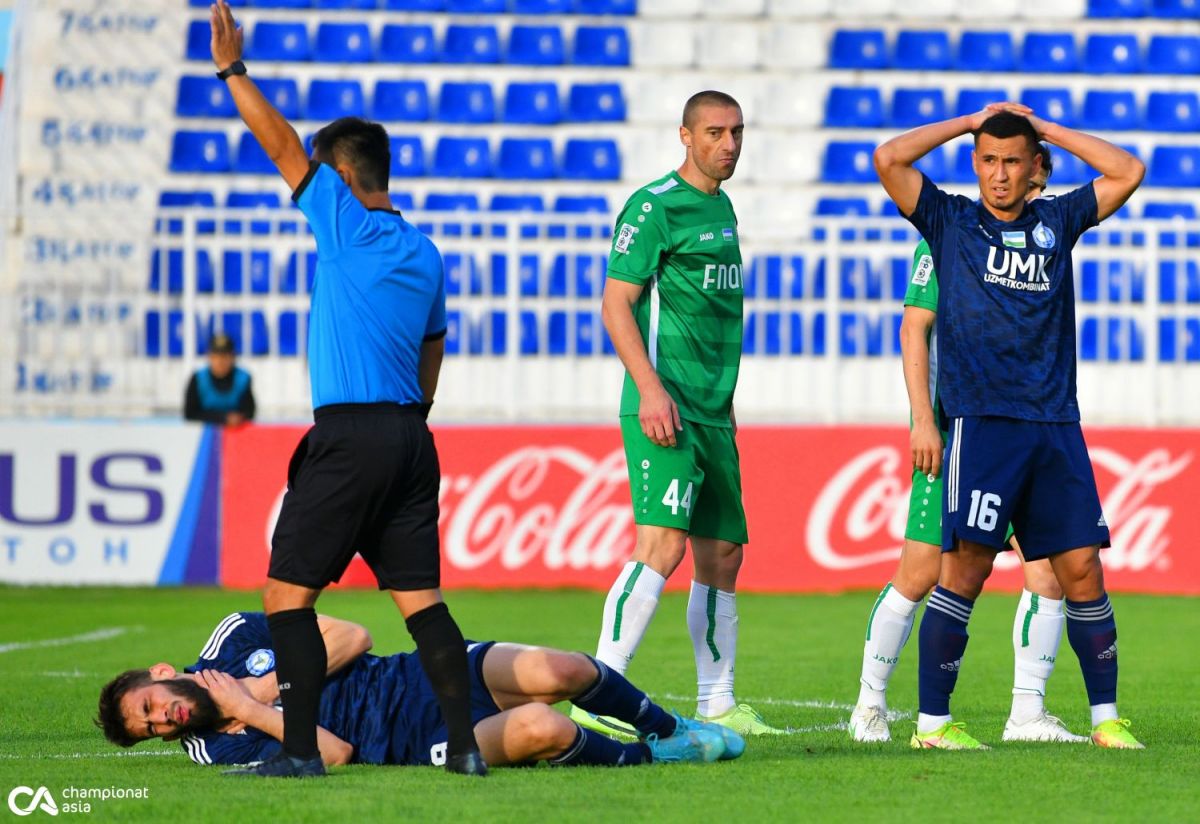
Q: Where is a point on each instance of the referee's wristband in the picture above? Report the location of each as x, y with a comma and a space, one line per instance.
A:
236, 67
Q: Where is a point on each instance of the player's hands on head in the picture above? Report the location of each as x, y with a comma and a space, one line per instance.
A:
990, 109
230, 695
226, 36
927, 446
659, 416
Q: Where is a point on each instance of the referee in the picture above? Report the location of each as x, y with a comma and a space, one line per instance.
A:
365, 478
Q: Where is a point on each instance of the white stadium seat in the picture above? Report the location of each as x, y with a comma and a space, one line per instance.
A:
869, 9
740, 9
794, 102
999, 10
798, 9
782, 157
728, 46
933, 9
1053, 9
674, 9
663, 45
795, 46
659, 100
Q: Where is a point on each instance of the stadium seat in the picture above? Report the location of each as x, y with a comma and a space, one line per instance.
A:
1052, 104
263, 201
540, 6
986, 51
204, 97
1158, 210
194, 199
536, 46
408, 156
204, 152
415, 5
406, 100
468, 102
1177, 334
840, 207
236, 263
331, 99
462, 157
961, 170
345, 4
847, 162
581, 204
1179, 281
973, 100
251, 159
1175, 9
463, 274
854, 107
596, 159
271, 4
525, 158
471, 44
277, 40
578, 275
612, 7
475, 6
507, 202
199, 41
1117, 8
1173, 54
1049, 52
596, 103
1112, 54
535, 103
863, 49
1175, 166
343, 43
1173, 112
1109, 111
933, 165
407, 43
916, 107
860, 334
283, 93
403, 201
601, 46
202, 269
922, 51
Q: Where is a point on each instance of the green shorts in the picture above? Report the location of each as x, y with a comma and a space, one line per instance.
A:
925, 509
695, 486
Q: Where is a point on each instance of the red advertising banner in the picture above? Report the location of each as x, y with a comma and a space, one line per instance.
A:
549, 507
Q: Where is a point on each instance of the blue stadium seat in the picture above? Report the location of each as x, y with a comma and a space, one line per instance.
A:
541, 6
536, 46
596, 103
415, 5
596, 159
1170, 341
1049, 52
1173, 54
840, 207
407, 43
475, 6
250, 200
343, 43
1118, 8
916, 107
507, 202
1068, 169
849, 162
278, 40
762, 277
251, 159
466, 102
973, 100
345, 4
195, 199
299, 266
1173, 112
577, 275
1158, 210
613, 7
922, 51
206, 152
463, 274
933, 165
535, 103
403, 201
1052, 104
1124, 339
462, 157
961, 170
331, 99
451, 202
986, 51
1175, 166
581, 204
471, 44
283, 93
854, 107
601, 46
408, 156
271, 4
525, 158
235, 263
406, 100
1109, 110
204, 97
173, 282
1179, 281
1112, 54
858, 49
860, 335
1175, 9
199, 40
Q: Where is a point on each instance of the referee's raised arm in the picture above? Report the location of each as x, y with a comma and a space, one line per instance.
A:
277, 137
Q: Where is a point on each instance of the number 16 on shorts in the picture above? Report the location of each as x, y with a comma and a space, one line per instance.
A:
984, 513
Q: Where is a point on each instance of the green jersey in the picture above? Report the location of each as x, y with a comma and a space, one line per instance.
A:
682, 246
923, 292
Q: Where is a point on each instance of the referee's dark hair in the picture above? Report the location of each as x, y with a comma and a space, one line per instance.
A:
705, 98
358, 143
1003, 125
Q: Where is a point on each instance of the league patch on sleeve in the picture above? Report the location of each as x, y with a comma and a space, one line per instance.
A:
624, 238
923, 270
260, 662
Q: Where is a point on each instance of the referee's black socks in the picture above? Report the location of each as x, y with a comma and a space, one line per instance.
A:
444, 658
300, 663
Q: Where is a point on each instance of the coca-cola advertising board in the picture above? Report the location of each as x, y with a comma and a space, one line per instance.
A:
549, 507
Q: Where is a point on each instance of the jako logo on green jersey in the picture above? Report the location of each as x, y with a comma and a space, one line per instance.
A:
722, 276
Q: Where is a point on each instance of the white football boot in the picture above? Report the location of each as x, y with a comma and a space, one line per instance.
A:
1042, 727
869, 723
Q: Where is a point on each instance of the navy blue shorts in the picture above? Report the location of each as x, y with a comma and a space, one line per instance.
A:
423, 739
1036, 475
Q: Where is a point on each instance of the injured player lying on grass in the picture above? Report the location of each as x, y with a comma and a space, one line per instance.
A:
382, 710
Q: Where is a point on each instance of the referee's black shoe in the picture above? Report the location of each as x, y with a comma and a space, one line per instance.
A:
282, 765
467, 763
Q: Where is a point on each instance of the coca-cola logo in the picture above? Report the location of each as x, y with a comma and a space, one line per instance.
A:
858, 517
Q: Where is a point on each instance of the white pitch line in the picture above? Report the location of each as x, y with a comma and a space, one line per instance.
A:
139, 754
892, 715
94, 635
68, 674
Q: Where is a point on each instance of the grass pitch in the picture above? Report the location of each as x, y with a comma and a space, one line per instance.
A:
798, 662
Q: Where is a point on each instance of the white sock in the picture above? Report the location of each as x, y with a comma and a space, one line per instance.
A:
713, 624
1103, 712
1037, 631
627, 612
888, 629
929, 723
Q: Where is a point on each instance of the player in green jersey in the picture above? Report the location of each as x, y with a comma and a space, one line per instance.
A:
673, 308
1037, 628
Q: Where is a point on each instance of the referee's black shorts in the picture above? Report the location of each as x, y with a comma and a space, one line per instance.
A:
363, 479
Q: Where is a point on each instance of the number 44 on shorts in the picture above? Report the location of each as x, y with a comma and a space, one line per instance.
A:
983, 514
673, 500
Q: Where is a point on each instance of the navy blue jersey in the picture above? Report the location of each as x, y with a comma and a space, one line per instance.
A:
1006, 310
378, 293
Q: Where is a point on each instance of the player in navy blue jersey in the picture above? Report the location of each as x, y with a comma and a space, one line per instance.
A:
381, 710
1006, 341
365, 478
